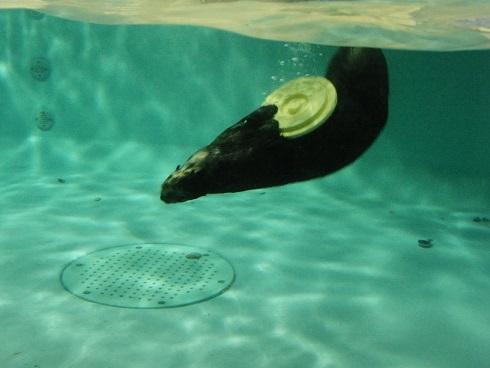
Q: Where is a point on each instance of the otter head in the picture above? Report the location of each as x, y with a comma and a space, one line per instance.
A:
229, 163
186, 182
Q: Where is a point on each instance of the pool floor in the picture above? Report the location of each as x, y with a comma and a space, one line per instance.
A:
329, 273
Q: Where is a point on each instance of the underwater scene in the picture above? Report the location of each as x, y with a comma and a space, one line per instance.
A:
244, 184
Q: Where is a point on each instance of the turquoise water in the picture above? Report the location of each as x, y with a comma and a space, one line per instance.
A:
329, 272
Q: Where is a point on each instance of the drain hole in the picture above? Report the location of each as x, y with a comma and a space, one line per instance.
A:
44, 120
130, 276
40, 69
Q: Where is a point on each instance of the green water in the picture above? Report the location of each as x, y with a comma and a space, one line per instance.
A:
329, 273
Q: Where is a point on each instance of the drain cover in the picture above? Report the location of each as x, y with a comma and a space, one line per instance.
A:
148, 276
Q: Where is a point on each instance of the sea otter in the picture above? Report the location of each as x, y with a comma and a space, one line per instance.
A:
254, 153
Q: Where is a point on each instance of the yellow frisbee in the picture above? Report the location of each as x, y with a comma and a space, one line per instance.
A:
303, 105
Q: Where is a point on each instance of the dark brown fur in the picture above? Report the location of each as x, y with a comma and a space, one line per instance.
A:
252, 154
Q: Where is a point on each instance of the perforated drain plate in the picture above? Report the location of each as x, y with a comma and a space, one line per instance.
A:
148, 276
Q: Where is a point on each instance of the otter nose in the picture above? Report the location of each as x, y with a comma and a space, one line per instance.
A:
171, 192
168, 194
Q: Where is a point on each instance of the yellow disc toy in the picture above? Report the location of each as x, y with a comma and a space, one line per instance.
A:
303, 105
